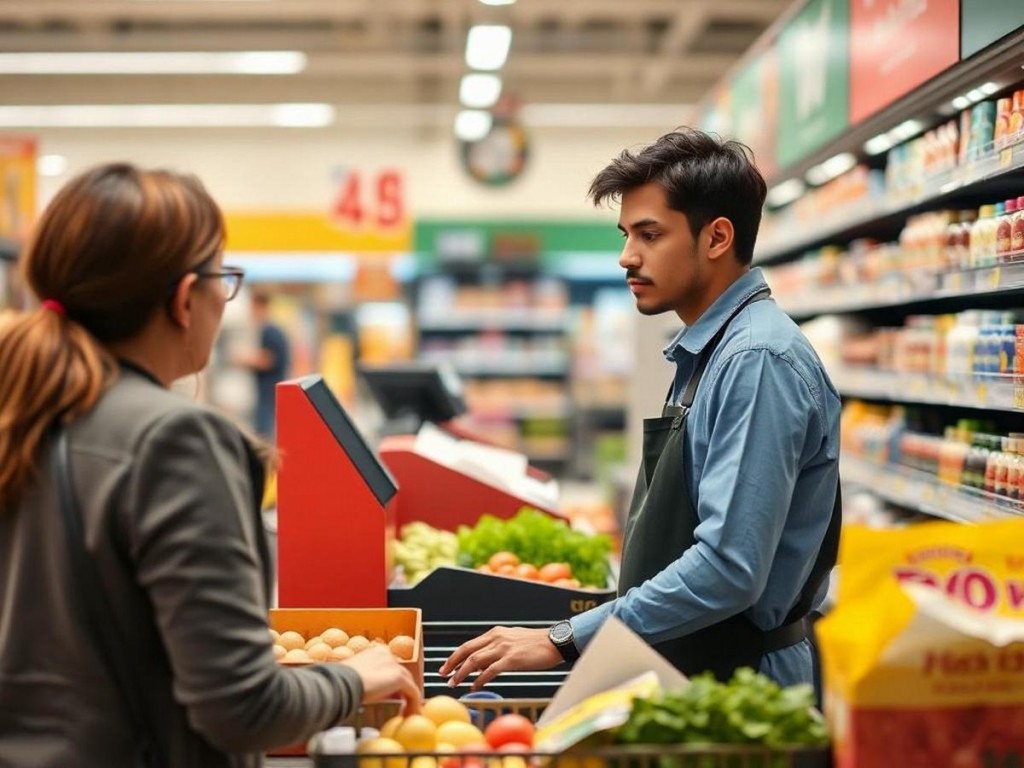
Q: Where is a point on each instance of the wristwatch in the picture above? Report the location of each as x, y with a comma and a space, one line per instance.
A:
562, 638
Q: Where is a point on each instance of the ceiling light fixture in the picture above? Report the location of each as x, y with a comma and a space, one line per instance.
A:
479, 91
51, 165
960, 103
154, 63
989, 88
487, 46
472, 124
310, 115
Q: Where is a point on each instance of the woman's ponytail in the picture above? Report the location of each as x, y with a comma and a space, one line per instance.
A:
52, 371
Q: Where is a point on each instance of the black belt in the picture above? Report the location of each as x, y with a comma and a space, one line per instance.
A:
785, 636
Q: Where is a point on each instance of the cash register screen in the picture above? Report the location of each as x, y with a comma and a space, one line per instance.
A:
425, 391
365, 460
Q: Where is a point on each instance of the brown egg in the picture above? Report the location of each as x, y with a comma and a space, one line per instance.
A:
297, 655
334, 637
341, 653
358, 643
320, 652
403, 646
314, 640
291, 640
279, 652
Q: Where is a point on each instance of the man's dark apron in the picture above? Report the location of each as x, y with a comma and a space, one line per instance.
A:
661, 526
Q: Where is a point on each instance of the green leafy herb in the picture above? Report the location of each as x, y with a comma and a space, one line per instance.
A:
749, 709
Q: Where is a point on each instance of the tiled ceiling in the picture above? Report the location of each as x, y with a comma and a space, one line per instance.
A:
391, 52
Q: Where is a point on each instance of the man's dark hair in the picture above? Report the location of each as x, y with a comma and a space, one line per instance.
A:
703, 178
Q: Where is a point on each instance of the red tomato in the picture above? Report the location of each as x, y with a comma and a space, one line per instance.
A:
552, 572
509, 729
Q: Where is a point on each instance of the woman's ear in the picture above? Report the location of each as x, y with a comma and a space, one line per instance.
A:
180, 306
722, 234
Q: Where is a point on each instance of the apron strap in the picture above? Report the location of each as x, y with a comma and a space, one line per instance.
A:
702, 362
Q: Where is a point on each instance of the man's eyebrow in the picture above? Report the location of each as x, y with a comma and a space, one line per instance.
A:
641, 223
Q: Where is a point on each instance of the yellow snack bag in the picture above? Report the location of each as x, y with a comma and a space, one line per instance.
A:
923, 656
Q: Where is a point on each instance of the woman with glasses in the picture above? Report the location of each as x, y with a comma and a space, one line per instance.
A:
127, 266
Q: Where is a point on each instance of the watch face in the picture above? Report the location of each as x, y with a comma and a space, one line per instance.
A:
561, 632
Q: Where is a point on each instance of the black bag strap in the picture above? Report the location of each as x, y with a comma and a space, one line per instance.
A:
99, 618
705, 356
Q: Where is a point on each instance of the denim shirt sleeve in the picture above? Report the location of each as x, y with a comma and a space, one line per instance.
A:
759, 427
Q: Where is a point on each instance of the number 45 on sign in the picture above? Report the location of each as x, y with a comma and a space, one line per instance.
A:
370, 202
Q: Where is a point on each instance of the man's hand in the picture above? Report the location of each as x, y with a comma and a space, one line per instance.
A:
383, 677
502, 649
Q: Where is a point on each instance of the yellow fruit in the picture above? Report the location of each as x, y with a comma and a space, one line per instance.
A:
403, 646
423, 762
381, 746
314, 640
297, 655
444, 747
417, 734
387, 730
291, 640
279, 652
358, 643
459, 733
513, 761
443, 709
334, 637
320, 652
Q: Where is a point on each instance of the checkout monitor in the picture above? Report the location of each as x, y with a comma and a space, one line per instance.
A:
377, 477
413, 393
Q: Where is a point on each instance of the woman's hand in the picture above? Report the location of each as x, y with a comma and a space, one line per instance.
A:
384, 678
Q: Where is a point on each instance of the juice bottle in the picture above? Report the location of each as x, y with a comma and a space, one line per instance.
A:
966, 140
1004, 108
977, 236
988, 241
1017, 233
1015, 466
1004, 231
993, 462
1016, 127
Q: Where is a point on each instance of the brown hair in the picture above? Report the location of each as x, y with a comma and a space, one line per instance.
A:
703, 178
109, 249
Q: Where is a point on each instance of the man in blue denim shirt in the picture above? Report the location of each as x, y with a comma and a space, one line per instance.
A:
754, 477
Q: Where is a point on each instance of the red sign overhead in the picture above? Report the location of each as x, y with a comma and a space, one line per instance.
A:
895, 45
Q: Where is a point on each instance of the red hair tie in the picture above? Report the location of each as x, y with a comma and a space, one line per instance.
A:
55, 306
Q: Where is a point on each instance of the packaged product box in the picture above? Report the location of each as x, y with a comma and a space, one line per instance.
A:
923, 655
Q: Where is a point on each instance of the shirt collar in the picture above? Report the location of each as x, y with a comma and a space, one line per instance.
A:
693, 338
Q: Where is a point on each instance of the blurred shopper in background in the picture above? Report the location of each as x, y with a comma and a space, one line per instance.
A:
734, 523
140, 638
270, 363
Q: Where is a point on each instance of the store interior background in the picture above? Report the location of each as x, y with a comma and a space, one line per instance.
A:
589, 78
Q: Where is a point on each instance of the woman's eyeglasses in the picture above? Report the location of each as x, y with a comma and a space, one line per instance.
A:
230, 277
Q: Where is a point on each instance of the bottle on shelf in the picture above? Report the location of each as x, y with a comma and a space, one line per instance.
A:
1004, 231
961, 343
1017, 233
1015, 467
1016, 128
980, 236
1004, 108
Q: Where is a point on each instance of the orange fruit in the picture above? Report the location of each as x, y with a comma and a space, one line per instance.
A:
358, 643
334, 637
417, 734
527, 571
291, 640
499, 559
403, 646
320, 652
554, 571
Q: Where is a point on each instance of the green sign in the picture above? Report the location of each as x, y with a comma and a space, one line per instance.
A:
982, 22
754, 109
814, 79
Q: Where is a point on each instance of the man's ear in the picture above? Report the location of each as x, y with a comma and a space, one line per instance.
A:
722, 235
180, 306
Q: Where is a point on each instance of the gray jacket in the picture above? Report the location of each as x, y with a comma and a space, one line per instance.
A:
166, 490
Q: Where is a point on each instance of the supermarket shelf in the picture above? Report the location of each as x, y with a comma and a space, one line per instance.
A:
924, 493
931, 190
512, 320
992, 392
902, 290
